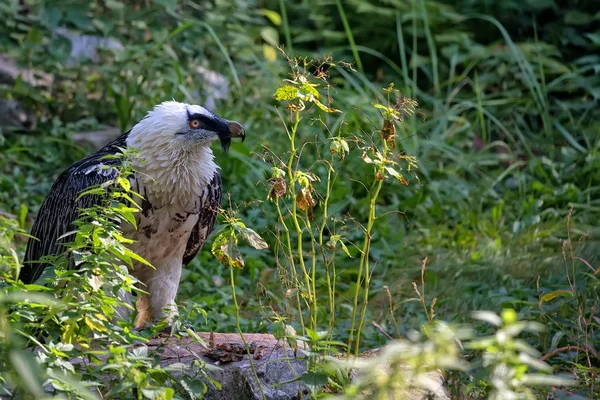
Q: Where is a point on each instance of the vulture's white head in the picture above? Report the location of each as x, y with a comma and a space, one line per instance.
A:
183, 126
174, 141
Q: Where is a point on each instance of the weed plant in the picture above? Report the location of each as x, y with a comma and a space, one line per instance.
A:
506, 142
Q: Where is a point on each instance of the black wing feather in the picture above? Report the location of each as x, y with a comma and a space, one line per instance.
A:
61, 207
209, 208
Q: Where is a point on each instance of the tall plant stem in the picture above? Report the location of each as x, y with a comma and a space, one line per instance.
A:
292, 189
330, 287
364, 260
363, 267
292, 263
313, 271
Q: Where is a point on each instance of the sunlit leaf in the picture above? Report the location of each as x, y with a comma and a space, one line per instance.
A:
273, 16
286, 93
269, 53
93, 325
552, 295
125, 184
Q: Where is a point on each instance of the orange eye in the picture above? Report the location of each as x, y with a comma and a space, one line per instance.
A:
194, 124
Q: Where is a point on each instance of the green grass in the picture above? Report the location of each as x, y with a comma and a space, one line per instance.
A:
505, 137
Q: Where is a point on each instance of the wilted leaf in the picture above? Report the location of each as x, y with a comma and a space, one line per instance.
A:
225, 249
388, 132
324, 107
396, 175
278, 188
253, 239
305, 201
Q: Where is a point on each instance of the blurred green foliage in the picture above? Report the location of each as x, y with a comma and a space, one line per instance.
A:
507, 140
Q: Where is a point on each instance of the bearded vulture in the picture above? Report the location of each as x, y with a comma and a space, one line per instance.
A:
181, 188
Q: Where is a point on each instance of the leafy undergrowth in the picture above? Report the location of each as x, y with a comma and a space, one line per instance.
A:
504, 137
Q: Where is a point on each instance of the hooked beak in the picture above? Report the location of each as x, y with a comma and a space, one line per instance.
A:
234, 130
237, 130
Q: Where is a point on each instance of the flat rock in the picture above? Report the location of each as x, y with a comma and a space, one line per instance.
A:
273, 361
277, 368
272, 370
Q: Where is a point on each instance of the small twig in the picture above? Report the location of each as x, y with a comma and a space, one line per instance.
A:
376, 325
389, 295
560, 350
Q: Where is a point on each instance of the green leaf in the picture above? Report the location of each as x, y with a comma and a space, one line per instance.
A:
163, 393
345, 249
127, 213
487, 316
115, 5
594, 37
269, 52
34, 36
286, 93
136, 257
552, 295
273, 16
308, 91
270, 35
576, 17
26, 369
315, 378
278, 329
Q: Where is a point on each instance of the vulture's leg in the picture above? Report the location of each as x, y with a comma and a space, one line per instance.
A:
163, 289
144, 315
